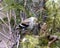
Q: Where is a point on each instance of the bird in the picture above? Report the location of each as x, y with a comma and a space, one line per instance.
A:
28, 23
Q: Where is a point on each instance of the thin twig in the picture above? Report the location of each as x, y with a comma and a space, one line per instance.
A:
3, 30
2, 14
5, 44
4, 35
3, 21
9, 23
25, 2
14, 14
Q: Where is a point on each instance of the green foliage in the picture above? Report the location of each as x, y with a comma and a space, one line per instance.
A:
53, 22
12, 4
53, 13
50, 4
29, 42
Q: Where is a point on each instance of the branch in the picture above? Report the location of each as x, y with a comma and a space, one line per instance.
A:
3, 21
4, 35
9, 24
25, 2
14, 14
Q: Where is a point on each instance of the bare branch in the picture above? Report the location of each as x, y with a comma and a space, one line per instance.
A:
3, 21
4, 35
9, 23
25, 2
14, 14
